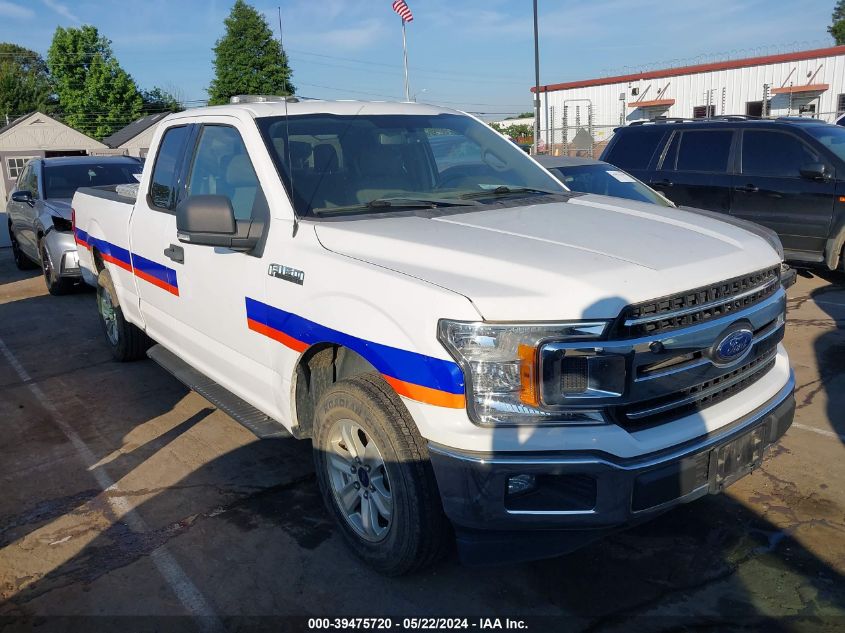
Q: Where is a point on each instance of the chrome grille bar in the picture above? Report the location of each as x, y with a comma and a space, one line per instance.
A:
757, 365
701, 307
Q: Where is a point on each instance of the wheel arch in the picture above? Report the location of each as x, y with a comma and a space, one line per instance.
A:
319, 367
835, 246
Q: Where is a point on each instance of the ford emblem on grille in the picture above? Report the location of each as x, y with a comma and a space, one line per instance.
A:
733, 346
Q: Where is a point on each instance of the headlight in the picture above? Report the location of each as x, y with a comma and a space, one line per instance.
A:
509, 367
60, 224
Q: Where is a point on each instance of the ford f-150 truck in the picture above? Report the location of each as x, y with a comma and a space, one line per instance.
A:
474, 351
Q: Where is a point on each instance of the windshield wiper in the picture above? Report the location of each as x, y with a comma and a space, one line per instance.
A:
504, 190
386, 204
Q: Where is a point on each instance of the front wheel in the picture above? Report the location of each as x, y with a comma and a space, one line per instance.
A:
375, 476
21, 261
126, 341
56, 284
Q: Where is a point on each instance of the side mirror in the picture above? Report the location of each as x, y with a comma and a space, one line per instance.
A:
23, 196
814, 171
210, 221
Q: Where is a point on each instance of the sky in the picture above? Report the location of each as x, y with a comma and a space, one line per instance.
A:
476, 55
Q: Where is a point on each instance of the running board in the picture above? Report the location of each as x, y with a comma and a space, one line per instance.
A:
260, 424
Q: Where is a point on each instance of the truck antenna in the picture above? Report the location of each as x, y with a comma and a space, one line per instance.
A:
287, 134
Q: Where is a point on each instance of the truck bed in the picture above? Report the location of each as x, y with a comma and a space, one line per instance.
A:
101, 228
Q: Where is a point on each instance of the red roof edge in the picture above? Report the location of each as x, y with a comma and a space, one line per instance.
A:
698, 68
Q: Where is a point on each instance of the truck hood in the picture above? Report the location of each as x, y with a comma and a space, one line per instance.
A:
59, 207
583, 258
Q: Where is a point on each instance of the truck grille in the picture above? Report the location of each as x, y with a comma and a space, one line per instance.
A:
698, 305
645, 414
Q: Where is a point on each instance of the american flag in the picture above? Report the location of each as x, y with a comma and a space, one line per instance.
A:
401, 7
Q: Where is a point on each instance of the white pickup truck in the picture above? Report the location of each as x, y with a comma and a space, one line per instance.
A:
474, 351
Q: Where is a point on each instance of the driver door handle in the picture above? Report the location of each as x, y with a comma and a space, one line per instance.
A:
176, 253
748, 189
663, 183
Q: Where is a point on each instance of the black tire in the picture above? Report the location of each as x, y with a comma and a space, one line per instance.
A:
56, 284
419, 531
126, 341
21, 260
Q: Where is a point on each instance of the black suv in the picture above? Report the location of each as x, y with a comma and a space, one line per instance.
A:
787, 174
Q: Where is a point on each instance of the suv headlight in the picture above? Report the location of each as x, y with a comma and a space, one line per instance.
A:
503, 363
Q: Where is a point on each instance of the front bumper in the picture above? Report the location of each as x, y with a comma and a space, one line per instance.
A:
61, 247
581, 496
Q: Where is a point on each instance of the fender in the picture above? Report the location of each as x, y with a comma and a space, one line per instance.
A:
411, 374
833, 249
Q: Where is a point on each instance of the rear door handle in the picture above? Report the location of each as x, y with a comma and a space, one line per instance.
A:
176, 253
663, 183
748, 189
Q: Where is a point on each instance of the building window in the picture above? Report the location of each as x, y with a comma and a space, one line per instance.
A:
840, 104
755, 108
704, 112
15, 165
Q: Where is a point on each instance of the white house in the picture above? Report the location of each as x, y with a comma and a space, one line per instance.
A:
37, 135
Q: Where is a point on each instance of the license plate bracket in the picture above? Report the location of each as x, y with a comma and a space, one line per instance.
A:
737, 458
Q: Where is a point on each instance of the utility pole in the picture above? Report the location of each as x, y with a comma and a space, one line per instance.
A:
536, 82
405, 60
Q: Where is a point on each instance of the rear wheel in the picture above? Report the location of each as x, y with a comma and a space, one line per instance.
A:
21, 261
56, 284
376, 478
126, 341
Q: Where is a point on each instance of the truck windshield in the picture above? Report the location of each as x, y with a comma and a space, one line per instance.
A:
62, 181
347, 164
605, 180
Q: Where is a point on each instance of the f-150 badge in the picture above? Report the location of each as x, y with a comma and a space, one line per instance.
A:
287, 273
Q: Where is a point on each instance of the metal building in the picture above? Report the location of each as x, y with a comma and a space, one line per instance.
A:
578, 117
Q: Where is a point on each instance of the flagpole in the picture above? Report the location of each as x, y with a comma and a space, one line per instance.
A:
405, 53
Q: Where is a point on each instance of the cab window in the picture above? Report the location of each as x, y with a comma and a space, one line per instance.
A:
164, 186
634, 149
221, 167
770, 153
28, 181
701, 150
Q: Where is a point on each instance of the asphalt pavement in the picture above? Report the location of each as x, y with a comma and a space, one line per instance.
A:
126, 495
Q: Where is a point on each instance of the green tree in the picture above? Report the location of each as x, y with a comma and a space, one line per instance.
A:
160, 100
24, 82
837, 26
248, 59
96, 96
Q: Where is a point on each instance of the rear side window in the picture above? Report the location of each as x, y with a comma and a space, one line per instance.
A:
168, 160
704, 150
633, 150
769, 153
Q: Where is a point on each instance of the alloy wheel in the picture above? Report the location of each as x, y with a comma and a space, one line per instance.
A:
359, 481
107, 313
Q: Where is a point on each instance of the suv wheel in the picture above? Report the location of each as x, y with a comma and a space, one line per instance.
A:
376, 478
126, 341
21, 261
56, 284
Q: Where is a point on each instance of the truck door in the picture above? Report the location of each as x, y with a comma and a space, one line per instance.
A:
201, 313
771, 191
694, 171
22, 215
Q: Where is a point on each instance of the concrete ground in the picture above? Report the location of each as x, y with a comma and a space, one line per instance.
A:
4, 234
124, 494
